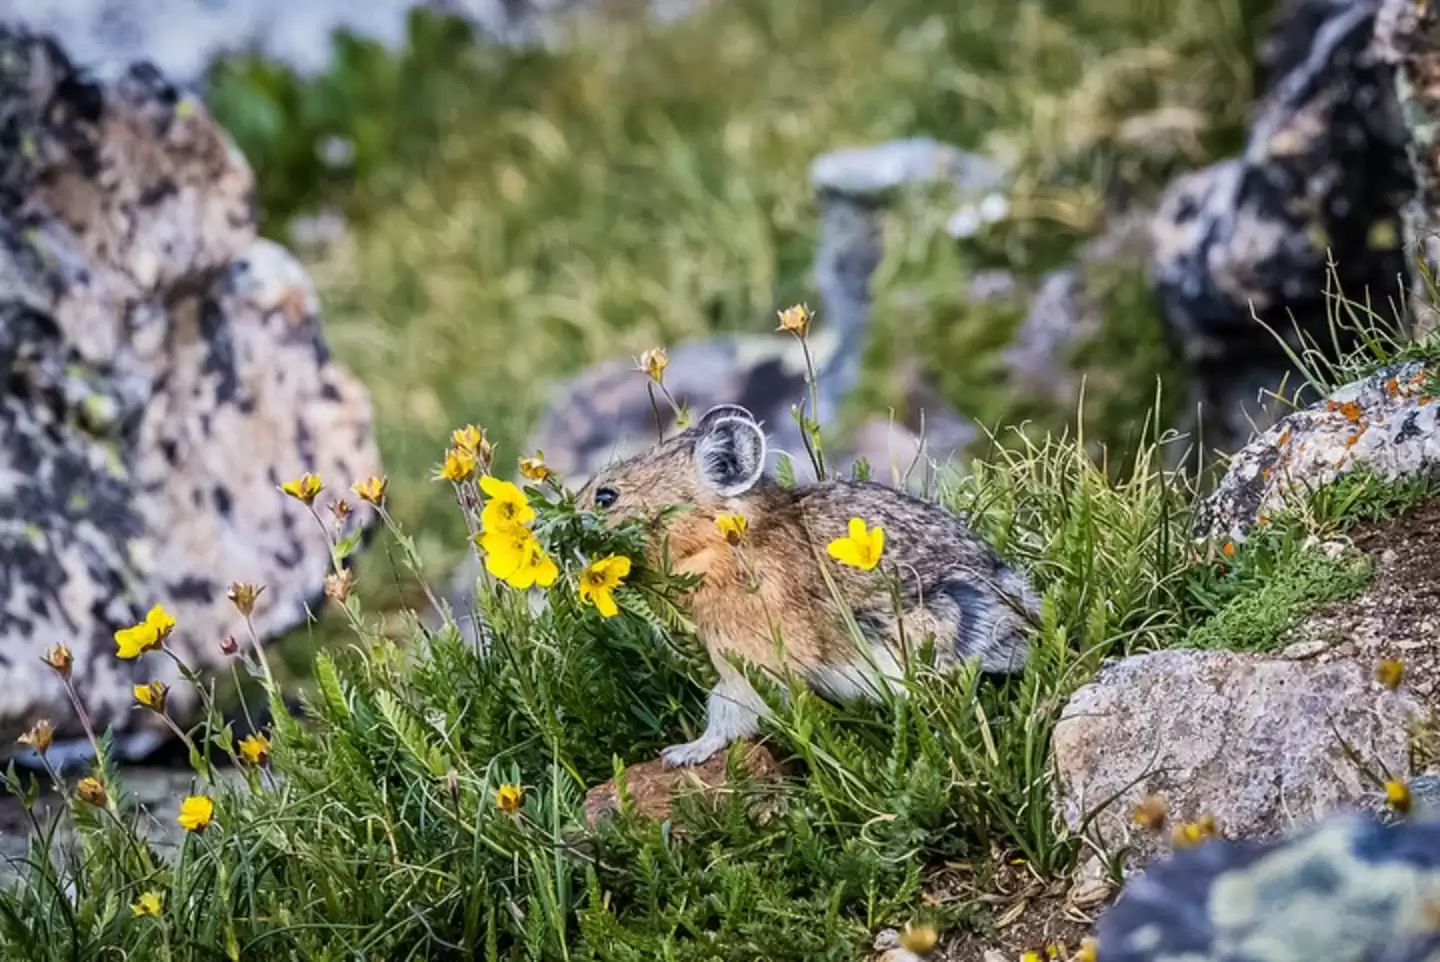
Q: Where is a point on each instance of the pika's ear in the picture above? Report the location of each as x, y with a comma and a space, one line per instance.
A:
724, 411
730, 455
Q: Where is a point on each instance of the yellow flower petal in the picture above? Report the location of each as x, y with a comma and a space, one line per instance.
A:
605, 604
147, 905
255, 749
508, 798
134, 641
161, 620
195, 813
861, 548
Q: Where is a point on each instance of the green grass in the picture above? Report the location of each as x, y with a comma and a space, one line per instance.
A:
520, 215
376, 832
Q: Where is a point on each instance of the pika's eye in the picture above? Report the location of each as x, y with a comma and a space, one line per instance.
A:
605, 497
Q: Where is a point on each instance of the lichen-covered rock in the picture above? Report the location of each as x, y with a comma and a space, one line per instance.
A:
1406, 41
165, 371
1348, 890
1323, 176
1384, 423
1255, 742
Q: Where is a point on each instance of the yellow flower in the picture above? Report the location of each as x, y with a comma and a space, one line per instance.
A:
920, 939
39, 736
303, 488
152, 695
255, 749
1031, 956
508, 798
1398, 795
505, 547
516, 557
371, 489
134, 641
506, 504
862, 548
147, 905
1089, 950
654, 362
459, 466
471, 440
1150, 813
536, 568
195, 813
91, 791
145, 636
599, 581
60, 659
732, 526
243, 595
795, 319
1192, 833
1390, 672
535, 468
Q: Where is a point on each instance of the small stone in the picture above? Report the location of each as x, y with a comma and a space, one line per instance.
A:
652, 786
1388, 557
871, 172
1304, 649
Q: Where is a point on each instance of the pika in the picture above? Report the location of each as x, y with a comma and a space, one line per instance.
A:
770, 583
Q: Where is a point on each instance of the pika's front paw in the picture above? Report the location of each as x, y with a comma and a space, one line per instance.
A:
691, 753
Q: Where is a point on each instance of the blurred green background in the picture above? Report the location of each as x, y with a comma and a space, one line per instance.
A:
516, 214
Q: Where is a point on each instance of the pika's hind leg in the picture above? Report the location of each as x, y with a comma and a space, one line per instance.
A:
734, 712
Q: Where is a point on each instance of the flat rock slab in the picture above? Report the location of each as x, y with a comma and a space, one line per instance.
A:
1254, 742
652, 787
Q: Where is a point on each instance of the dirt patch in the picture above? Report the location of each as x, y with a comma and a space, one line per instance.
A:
1026, 913
1398, 616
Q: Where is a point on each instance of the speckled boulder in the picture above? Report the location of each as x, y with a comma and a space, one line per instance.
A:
1323, 174
165, 370
1348, 890
1250, 740
1384, 423
1406, 40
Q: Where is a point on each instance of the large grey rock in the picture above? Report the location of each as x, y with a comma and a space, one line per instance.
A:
1384, 423
165, 369
1253, 741
1323, 176
1349, 890
1406, 41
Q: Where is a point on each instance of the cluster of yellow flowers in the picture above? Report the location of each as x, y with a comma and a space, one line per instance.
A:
512, 552
469, 452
